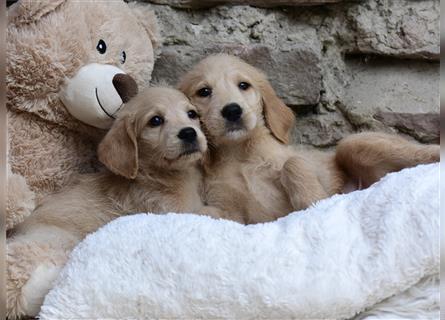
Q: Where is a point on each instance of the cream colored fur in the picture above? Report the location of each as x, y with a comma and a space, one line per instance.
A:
20, 200
253, 173
47, 43
155, 176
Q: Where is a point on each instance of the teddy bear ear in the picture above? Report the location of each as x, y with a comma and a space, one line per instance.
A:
147, 18
30, 11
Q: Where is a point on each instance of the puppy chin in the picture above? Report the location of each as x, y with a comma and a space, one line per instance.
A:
239, 131
184, 156
235, 134
191, 157
185, 160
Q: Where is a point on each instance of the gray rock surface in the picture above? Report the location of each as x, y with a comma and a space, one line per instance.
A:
292, 62
258, 3
299, 85
342, 67
393, 93
402, 28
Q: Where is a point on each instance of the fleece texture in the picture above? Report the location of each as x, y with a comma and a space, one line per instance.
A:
330, 261
421, 301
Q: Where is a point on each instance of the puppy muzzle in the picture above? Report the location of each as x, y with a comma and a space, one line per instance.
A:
232, 112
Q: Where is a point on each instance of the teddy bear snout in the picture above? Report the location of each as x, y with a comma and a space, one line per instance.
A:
96, 92
125, 86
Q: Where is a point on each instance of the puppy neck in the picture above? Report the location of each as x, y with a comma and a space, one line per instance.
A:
160, 168
259, 142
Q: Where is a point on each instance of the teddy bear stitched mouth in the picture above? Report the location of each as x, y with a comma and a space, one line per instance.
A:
103, 109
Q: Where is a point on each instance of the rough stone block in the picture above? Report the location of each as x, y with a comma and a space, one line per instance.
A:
321, 129
292, 63
343, 67
425, 127
257, 3
402, 28
295, 75
391, 93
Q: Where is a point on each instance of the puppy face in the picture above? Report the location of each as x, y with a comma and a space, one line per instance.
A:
159, 127
234, 98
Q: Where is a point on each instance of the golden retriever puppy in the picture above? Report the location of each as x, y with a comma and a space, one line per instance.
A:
250, 171
152, 152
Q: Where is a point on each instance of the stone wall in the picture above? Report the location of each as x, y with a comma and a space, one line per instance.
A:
342, 66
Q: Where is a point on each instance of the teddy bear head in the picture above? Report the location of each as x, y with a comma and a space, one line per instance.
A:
78, 60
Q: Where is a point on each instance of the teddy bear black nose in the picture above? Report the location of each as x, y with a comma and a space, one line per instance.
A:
187, 134
232, 112
125, 86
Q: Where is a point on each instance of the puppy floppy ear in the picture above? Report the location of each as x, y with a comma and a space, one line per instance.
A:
279, 118
118, 151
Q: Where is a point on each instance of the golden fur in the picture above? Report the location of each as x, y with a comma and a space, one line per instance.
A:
366, 157
154, 170
252, 173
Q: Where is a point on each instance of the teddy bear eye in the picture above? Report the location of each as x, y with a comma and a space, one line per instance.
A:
123, 57
101, 46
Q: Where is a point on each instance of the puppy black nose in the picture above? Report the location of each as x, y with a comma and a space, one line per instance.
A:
187, 134
232, 112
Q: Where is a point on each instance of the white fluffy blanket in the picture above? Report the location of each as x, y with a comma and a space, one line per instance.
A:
333, 260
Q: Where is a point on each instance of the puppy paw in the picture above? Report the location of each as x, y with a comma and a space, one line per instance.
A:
301, 183
30, 272
38, 285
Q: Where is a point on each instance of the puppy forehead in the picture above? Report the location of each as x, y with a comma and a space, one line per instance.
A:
222, 60
163, 95
225, 62
159, 98
219, 70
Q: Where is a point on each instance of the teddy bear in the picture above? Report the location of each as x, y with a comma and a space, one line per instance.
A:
71, 65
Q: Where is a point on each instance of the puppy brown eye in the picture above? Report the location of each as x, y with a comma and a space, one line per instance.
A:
192, 114
244, 85
156, 121
204, 92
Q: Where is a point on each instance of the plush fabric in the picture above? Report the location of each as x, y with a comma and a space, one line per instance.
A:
20, 201
421, 301
48, 42
332, 260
